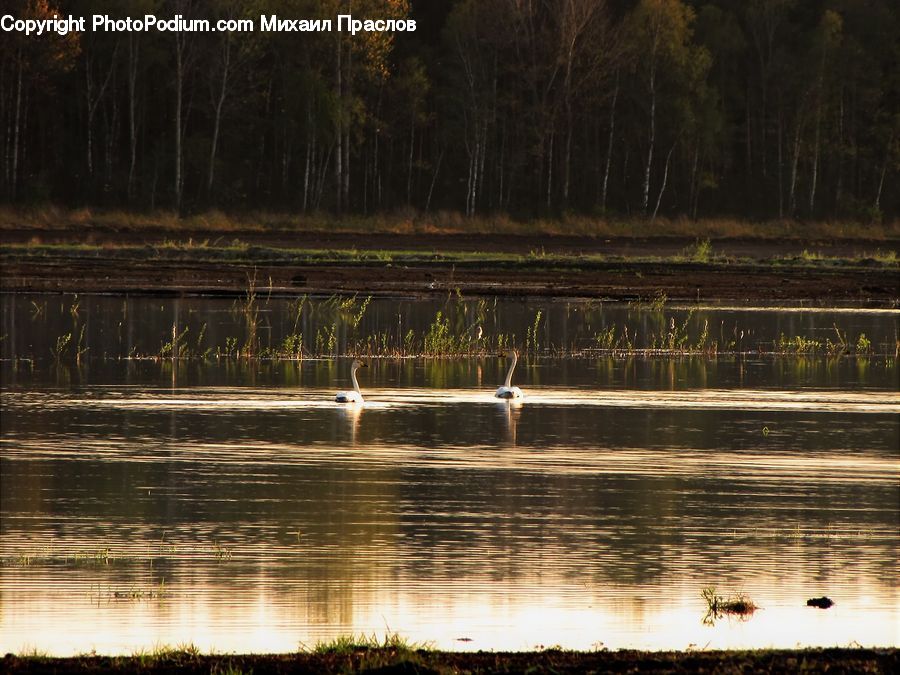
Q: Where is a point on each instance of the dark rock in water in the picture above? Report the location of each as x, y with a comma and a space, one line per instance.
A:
822, 603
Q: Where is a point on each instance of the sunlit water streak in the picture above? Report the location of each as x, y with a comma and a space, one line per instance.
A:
211, 398
840, 467
789, 309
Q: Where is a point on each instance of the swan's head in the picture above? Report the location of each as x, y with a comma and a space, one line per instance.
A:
357, 364
512, 354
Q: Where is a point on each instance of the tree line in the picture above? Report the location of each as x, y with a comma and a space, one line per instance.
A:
533, 108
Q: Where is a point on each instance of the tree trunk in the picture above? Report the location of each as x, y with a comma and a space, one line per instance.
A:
609, 146
179, 91
815, 157
884, 166
434, 179
310, 140
567, 157
695, 187
90, 118
338, 127
217, 119
376, 169
412, 140
815, 166
662, 187
347, 87
838, 193
112, 134
92, 102
484, 130
651, 139
7, 115
133, 53
501, 166
14, 181
780, 160
792, 201
286, 150
550, 171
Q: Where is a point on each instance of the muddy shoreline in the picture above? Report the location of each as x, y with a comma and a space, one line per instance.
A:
752, 271
834, 660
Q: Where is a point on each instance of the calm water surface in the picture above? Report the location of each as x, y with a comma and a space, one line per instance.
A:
234, 505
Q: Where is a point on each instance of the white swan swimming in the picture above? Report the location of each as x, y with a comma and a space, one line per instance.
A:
507, 390
354, 396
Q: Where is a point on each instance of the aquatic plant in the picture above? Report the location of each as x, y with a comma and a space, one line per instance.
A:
739, 605
176, 348
250, 310
657, 303
438, 340
62, 344
606, 339
863, 344
797, 344
292, 345
132, 593
531, 337
701, 344
332, 327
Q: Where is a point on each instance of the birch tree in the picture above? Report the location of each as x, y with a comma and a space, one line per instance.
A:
660, 32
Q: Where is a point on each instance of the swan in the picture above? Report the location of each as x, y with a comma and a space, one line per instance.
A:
507, 390
354, 396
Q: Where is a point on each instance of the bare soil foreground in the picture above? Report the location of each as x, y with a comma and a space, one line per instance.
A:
203, 262
549, 661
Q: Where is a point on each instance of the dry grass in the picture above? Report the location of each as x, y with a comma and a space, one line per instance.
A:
409, 221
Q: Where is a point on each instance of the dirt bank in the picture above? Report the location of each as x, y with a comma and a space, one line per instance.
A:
628, 269
548, 661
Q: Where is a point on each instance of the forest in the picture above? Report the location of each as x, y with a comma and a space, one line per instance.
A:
756, 109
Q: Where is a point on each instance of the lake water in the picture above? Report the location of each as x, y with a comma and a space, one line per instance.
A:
230, 503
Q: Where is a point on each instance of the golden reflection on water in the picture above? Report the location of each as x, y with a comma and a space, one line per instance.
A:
559, 459
502, 615
443, 542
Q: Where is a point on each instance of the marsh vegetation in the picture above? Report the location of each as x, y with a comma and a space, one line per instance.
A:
258, 326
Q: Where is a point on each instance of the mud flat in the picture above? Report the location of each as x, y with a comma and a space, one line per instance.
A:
859, 272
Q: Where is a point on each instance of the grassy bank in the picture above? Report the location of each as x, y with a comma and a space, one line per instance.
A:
402, 658
239, 252
84, 220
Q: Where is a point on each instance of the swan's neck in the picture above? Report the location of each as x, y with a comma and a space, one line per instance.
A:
353, 379
512, 367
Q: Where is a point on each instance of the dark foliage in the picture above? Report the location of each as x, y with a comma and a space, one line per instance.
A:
756, 109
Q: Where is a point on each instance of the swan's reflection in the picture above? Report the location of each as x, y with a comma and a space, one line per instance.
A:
510, 410
351, 414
